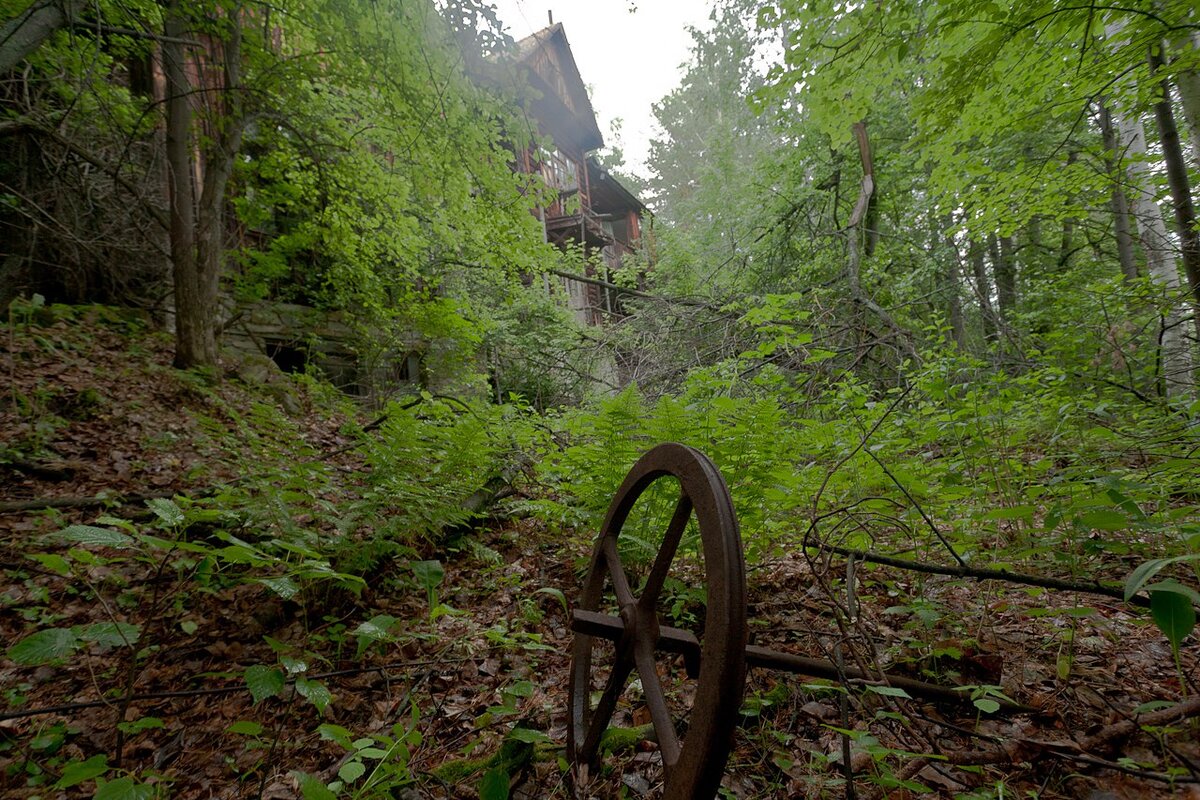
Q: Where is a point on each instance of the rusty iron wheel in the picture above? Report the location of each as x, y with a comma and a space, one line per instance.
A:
692, 764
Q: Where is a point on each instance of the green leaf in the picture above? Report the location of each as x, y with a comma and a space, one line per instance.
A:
116, 522
1173, 613
311, 788
76, 772
371, 752
1144, 572
263, 681
429, 574
283, 586
89, 535
888, 691
352, 771
124, 789
139, 725
241, 554
188, 626
1013, 512
1172, 585
246, 727
986, 705
314, 692
377, 628
51, 561
1153, 705
494, 784
557, 595
1104, 519
110, 634
44, 647
166, 510
50, 740
293, 665
529, 736
336, 733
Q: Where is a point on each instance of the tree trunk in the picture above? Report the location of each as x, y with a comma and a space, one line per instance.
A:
1064, 248
226, 142
983, 290
1005, 271
958, 331
1181, 191
198, 229
192, 347
1160, 257
949, 280
1160, 251
22, 35
1188, 83
1119, 202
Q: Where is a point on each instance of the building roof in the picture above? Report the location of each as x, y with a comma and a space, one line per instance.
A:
547, 55
608, 192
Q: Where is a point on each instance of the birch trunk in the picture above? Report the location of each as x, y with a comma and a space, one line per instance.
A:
1188, 83
1181, 190
1161, 262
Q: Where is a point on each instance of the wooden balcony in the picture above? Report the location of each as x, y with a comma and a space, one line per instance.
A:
582, 227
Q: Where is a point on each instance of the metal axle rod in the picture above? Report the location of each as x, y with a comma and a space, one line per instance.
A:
685, 643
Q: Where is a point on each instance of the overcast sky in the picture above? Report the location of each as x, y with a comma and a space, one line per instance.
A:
629, 60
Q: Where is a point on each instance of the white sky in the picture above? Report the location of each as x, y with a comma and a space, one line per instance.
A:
627, 60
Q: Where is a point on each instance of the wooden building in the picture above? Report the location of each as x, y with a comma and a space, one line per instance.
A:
593, 209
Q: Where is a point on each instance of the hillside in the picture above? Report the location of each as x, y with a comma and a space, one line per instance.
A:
249, 636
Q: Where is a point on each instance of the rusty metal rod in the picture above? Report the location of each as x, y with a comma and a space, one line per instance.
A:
685, 643
670, 640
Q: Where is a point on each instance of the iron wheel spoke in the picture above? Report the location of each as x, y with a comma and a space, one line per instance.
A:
656, 701
617, 572
602, 714
666, 554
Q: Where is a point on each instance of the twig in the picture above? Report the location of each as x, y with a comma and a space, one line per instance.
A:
67, 707
845, 459
1177, 712
981, 573
15, 506
113, 30
920, 509
1021, 749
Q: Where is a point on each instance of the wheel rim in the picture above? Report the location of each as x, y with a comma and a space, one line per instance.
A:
694, 765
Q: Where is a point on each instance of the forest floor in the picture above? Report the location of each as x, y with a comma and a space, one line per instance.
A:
94, 409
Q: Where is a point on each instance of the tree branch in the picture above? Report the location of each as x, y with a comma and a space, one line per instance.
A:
985, 574
114, 173
22, 35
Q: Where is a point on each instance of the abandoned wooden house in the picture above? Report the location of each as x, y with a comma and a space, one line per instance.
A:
593, 210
